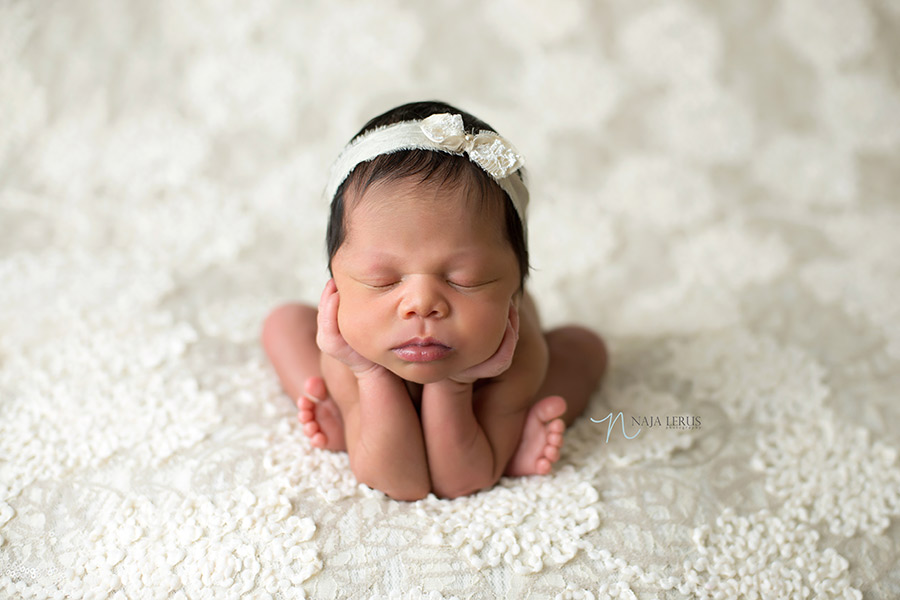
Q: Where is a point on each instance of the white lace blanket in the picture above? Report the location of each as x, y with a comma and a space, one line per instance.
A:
715, 188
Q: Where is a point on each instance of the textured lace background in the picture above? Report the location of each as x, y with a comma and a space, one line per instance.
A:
715, 188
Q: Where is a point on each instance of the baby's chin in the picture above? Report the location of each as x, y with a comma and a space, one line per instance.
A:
421, 374
425, 373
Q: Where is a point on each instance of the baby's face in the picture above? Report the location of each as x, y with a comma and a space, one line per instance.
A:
425, 280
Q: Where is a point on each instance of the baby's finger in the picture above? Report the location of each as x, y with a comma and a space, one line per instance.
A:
328, 335
502, 358
507, 347
329, 289
514, 318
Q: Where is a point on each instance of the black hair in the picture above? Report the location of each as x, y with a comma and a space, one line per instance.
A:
426, 165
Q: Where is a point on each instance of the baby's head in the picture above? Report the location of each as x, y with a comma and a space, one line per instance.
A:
432, 168
427, 240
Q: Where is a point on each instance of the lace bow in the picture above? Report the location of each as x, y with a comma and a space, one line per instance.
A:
490, 151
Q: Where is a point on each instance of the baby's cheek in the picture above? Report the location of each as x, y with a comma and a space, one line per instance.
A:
490, 333
351, 322
360, 326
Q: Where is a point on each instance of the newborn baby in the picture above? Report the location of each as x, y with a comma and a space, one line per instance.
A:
425, 359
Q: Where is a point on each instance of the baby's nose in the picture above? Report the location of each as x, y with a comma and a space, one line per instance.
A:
423, 298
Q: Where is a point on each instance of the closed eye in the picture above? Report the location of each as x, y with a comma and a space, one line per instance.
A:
381, 286
381, 283
468, 285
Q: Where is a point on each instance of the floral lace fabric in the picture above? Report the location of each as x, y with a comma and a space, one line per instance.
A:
714, 188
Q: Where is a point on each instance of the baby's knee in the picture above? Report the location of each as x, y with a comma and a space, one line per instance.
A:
595, 347
287, 320
583, 345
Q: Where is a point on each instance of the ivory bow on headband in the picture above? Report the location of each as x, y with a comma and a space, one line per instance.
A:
490, 151
443, 132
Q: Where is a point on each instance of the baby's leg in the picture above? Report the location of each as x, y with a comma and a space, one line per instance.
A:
289, 339
577, 362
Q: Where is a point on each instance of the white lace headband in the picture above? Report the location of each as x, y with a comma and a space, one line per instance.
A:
442, 132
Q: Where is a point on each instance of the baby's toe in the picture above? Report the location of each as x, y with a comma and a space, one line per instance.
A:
314, 389
551, 453
556, 426
554, 439
550, 408
543, 466
319, 440
306, 415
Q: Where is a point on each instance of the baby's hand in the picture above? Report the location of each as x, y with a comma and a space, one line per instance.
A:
501, 359
329, 338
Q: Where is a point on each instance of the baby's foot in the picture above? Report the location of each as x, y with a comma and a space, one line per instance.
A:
320, 416
541, 439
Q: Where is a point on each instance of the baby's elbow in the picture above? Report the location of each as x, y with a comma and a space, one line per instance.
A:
410, 490
403, 493
409, 495
466, 488
453, 494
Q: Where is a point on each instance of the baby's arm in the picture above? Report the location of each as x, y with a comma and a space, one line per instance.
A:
467, 451
381, 427
470, 436
381, 430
